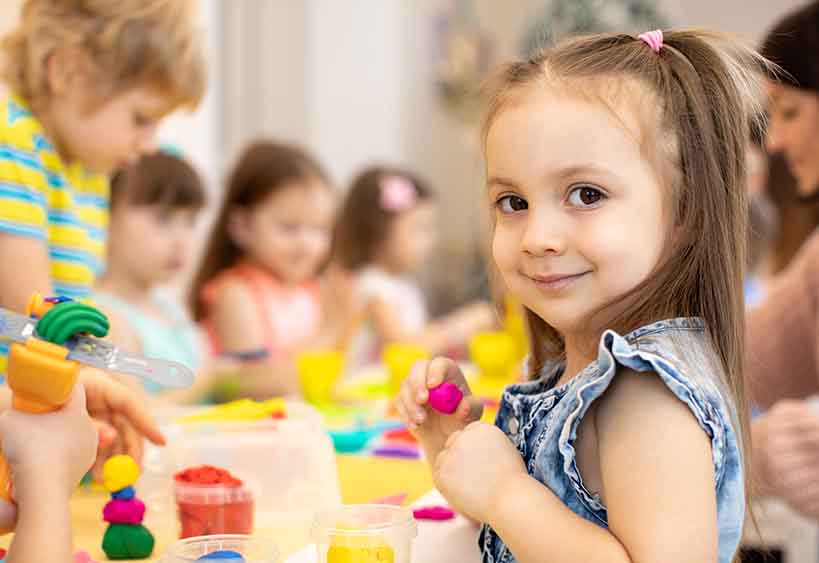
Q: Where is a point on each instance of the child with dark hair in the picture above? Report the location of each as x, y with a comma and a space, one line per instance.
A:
154, 207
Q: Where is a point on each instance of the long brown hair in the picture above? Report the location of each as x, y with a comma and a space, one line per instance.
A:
263, 169
707, 93
362, 224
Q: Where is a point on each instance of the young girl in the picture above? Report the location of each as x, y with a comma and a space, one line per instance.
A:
90, 82
616, 169
257, 291
384, 234
156, 202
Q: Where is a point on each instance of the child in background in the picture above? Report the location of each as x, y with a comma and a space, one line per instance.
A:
154, 206
384, 234
258, 291
90, 82
616, 166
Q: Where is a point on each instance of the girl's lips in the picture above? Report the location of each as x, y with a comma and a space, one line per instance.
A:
555, 282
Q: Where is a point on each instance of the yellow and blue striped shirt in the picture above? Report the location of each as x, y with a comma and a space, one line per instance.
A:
44, 198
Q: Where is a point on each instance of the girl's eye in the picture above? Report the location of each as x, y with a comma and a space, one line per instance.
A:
585, 196
511, 204
789, 113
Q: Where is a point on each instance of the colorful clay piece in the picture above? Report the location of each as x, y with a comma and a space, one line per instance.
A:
208, 475
119, 472
223, 555
124, 511
445, 398
83, 557
400, 435
434, 513
344, 554
403, 452
123, 541
125, 537
125, 494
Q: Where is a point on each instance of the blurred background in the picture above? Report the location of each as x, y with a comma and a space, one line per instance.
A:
390, 81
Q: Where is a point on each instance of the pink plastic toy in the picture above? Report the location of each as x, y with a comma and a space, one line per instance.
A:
83, 557
434, 513
445, 398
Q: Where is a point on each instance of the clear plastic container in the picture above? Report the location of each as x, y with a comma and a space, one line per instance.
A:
365, 532
205, 510
290, 462
250, 549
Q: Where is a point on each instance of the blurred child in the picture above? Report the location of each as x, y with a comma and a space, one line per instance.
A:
90, 83
257, 291
616, 170
154, 206
385, 233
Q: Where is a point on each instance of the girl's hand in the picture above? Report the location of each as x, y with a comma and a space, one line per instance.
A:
431, 427
474, 467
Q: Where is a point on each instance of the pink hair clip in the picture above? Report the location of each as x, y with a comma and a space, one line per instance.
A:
653, 39
397, 193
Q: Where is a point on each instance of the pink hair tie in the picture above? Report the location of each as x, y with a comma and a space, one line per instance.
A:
653, 39
397, 193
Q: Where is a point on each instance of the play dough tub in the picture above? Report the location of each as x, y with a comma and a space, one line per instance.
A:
289, 464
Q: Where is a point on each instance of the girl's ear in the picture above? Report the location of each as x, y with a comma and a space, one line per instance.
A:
67, 71
238, 226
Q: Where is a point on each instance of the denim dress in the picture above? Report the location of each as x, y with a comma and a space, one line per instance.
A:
542, 421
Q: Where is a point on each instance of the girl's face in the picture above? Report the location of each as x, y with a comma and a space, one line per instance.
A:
150, 243
578, 211
288, 232
411, 238
793, 130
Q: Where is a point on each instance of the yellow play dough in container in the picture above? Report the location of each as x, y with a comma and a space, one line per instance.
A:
365, 533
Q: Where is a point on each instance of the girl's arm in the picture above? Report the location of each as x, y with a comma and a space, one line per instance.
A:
26, 269
658, 486
235, 320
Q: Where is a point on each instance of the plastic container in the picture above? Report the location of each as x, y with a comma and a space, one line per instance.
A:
318, 371
289, 464
250, 550
206, 510
399, 359
365, 532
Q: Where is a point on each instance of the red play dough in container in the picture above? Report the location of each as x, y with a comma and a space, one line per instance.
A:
212, 501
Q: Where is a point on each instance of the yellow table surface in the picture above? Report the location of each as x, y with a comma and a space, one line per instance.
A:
362, 479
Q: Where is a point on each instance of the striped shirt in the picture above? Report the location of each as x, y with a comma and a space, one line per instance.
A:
44, 198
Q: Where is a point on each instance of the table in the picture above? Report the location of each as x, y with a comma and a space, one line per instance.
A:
362, 479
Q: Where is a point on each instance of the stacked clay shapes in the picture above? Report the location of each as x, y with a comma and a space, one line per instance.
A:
126, 537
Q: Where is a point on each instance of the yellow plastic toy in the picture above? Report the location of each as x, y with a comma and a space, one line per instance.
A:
118, 472
399, 359
243, 409
318, 371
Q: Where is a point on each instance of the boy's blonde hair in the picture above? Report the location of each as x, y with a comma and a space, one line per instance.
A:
128, 43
